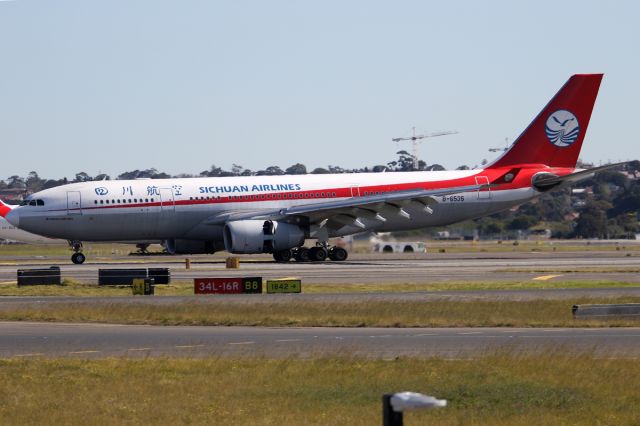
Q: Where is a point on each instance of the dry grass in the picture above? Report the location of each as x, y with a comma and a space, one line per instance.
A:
321, 313
72, 287
495, 390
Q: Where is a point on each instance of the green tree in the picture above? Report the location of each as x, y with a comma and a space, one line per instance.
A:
592, 222
296, 169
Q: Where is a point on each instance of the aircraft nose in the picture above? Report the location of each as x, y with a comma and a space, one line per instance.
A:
13, 217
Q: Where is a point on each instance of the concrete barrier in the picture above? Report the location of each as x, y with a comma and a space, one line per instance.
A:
608, 310
120, 276
48, 276
160, 275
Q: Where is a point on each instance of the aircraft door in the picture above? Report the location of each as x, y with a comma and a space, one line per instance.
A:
355, 191
484, 193
74, 206
167, 203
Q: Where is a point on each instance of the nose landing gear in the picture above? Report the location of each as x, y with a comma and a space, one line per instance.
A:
78, 257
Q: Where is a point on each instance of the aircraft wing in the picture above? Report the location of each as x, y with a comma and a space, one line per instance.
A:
546, 181
338, 213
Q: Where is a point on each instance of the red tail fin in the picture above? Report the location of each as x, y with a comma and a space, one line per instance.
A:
555, 136
4, 208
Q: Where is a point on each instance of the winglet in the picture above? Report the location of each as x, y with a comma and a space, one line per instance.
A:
4, 208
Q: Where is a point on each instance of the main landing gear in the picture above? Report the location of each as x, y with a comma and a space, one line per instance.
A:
318, 253
78, 258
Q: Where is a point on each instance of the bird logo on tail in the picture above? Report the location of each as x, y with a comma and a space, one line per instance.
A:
562, 128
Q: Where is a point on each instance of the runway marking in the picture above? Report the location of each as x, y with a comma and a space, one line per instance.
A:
240, 343
289, 340
554, 329
545, 277
25, 355
84, 352
470, 332
284, 278
425, 334
139, 349
188, 346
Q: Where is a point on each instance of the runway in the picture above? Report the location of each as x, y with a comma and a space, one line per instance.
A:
28, 340
381, 268
98, 340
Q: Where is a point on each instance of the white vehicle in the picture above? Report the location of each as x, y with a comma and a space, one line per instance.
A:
275, 214
399, 247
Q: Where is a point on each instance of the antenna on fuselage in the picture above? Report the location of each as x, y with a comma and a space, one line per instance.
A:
416, 139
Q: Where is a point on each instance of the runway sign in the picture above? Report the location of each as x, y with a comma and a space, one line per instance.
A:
247, 285
284, 286
143, 286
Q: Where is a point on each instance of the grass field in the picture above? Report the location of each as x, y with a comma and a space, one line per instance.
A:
72, 287
322, 313
497, 389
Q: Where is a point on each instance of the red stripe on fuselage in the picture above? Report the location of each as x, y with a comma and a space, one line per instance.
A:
522, 180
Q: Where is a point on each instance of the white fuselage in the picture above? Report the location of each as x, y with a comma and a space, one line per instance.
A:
9, 232
135, 210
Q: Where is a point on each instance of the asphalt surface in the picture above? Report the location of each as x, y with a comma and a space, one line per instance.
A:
28, 340
95, 340
378, 268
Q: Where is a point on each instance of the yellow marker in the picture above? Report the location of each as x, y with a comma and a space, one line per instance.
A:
284, 286
545, 277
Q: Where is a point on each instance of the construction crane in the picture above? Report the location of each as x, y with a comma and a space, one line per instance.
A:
506, 148
416, 139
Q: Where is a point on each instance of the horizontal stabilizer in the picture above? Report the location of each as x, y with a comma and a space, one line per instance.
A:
547, 181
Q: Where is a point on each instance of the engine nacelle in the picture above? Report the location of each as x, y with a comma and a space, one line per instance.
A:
189, 246
260, 236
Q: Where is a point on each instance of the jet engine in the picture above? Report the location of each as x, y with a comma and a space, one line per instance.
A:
545, 181
260, 236
189, 246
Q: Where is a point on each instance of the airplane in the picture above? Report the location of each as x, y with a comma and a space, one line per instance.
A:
275, 214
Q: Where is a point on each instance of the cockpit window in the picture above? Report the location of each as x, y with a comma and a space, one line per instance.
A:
32, 203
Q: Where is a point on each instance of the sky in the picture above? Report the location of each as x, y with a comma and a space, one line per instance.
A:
111, 86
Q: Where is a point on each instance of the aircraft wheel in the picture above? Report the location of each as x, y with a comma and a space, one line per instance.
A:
302, 254
318, 254
338, 254
78, 258
282, 255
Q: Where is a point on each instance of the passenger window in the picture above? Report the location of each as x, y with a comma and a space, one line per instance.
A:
101, 201
95, 201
